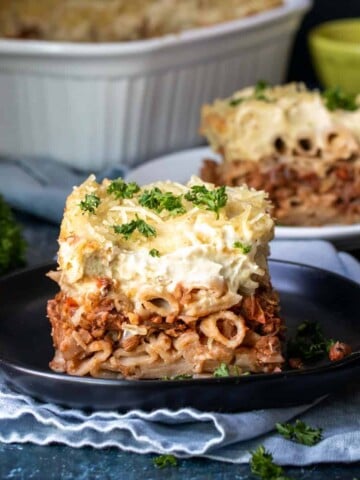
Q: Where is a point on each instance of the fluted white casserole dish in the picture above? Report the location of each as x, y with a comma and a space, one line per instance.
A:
96, 105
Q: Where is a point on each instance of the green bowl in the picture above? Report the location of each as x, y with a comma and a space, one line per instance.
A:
335, 51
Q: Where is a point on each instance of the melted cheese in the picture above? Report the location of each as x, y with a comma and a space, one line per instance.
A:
196, 248
244, 127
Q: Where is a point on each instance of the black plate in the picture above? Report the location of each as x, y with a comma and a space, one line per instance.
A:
306, 294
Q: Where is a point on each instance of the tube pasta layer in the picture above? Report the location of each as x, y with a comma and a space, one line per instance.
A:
185, 291
285, 140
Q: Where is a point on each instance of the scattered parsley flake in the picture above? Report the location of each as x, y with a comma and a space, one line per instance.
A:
222, 371
259, 94
213, 200
234, 102
183, 376
335, 98
154, 253
90, 204
121, 189
157, 200
138, 224
300, 433
262, 465
166, 460
309, 342
244, 248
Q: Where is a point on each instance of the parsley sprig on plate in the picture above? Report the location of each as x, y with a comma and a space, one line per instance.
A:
212, 200
309, 343
127, 229
222, 371
300, 433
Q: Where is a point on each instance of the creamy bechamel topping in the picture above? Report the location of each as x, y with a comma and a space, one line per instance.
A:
247, 125
197, 249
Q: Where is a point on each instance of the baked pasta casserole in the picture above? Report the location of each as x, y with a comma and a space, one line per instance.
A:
164, 280
117, 20
301, 146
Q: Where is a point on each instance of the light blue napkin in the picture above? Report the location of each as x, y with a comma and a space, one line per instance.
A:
188, 432
39, 186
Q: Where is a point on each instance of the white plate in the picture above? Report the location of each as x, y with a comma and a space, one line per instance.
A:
180, 166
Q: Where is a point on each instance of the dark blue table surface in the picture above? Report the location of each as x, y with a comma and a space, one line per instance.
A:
57, 462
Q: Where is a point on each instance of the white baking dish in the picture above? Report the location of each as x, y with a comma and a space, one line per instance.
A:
95, 105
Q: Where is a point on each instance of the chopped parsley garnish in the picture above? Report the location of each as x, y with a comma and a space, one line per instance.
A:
244, 248
121, 189
165, 460
157, 200
262, 465
259, 94
335, 98
138, 224
154, 253
309, 342
90, 204
213, 200
183, 376
222, 371
300, 433
234, 102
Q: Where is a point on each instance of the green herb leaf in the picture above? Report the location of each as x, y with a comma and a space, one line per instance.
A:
145, 229
183, 376
300, 433
244, 248
138, 224
222, 371
154, 253
12, 242
90, 204
262, 465
157, 200
121, 189
309, 342
213, 200
166, 460
335, 98
259, 92
234, 102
